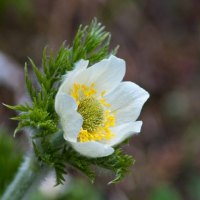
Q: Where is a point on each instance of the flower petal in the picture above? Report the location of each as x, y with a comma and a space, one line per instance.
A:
71, 120
127, 101
70, 78
63, 103
106, 74
81, 65
71, 124
92, 149
124, 131
111, 75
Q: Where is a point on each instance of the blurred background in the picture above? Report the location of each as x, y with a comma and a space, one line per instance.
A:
160, 40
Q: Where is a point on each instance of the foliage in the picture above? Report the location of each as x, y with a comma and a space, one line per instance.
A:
21, 7
117, 162
77, 189
164, 192
9, 159
90, 43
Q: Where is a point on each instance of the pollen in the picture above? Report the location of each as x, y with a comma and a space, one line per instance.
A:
80, 91
92, 113
97, 119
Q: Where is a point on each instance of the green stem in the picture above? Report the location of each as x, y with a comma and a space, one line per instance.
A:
27, 178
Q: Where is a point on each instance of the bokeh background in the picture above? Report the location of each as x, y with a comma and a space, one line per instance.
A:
160, 41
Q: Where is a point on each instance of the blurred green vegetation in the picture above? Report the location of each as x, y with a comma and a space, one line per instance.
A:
194, 187
10, 158
76, 190
164, 192
21, 7
80, 190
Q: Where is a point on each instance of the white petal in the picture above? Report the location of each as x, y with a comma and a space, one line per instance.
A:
71, 124
92, 149
124, 131
71, 120
81, 65
127, 101
106, 74
70, 77
64, 103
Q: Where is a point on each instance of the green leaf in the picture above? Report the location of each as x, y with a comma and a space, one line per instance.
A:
29, 85
80, 162
117, 162
22, 108
37, 72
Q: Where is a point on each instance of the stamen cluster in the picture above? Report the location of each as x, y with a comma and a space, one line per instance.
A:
97, 119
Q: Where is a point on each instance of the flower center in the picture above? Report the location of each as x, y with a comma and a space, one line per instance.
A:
92, 113
97, 119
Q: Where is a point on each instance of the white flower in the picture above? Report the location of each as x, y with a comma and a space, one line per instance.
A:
97, 110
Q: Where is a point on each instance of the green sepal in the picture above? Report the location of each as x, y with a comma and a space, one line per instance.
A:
118, 162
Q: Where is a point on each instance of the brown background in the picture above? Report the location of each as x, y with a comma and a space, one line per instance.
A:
160, 41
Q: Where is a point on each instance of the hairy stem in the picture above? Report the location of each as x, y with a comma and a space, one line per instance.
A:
27, 178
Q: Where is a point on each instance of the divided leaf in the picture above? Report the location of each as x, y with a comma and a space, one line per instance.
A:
117, 162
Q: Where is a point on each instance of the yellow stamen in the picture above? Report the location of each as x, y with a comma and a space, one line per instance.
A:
97, 121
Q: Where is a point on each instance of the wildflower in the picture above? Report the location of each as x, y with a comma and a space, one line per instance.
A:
97, 110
